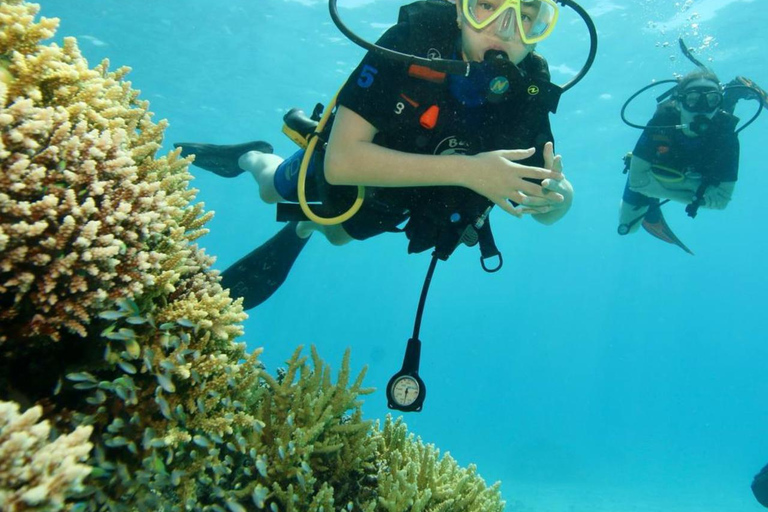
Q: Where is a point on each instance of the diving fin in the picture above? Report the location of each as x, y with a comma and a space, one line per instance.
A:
259, 274
221, 160
654, 223
742, 88
763, 96
760, 487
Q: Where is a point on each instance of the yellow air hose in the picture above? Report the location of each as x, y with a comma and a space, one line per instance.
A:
667, 174
325, 221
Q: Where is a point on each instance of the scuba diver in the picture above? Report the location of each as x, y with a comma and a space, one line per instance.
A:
688, 152
411, 142
760, 486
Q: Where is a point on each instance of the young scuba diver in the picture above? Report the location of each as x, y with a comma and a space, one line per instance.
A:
436, 150
688, 153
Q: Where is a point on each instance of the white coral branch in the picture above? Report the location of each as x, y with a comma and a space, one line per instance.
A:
35, 472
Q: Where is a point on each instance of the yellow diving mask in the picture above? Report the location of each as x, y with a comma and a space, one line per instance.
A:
534, 20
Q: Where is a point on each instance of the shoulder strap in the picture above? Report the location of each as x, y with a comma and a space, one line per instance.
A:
726, 122
427, 12
430, 23
536, 66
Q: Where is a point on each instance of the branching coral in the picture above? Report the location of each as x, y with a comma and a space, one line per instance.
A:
35, 472
112, 320
87, 214
416, 479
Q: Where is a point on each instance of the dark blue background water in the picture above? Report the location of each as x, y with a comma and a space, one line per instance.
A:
595, 372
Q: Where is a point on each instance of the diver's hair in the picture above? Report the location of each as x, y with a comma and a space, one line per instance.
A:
697, 74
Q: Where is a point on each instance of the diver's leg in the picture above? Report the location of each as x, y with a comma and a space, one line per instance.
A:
630, 217
632, 209
230, 161
220, 159
262, 167
335, 234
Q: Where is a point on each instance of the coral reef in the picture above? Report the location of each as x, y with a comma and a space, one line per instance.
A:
88, 215
116, 331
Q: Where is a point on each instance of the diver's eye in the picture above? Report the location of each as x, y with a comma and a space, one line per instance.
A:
486, 6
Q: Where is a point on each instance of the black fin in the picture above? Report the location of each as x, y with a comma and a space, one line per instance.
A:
221, 160
259, 274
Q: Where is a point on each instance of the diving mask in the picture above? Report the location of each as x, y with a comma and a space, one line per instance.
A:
701, 100
534, 20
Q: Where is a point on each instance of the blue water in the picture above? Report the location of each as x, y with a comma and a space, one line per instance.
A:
594, 372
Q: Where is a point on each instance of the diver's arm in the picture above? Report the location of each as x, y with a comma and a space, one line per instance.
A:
353, 159
641, 180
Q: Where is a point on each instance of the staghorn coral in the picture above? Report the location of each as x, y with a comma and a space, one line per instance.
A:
35, 472
112, 322
88, 215
415, 478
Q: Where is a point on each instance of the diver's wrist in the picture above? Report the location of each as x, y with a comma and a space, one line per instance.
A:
462, 170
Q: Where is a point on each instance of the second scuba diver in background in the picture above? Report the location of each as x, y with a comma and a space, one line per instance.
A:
688, 152
435, 150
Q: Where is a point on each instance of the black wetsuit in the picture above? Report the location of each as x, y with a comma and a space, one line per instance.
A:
394, 101
713, 155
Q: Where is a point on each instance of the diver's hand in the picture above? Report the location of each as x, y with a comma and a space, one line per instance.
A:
553, 188
717, 197
549, 210
498, 177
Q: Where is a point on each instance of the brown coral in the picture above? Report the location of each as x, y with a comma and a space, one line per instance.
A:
87, 214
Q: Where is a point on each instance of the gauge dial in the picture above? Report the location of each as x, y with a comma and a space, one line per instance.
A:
405, 390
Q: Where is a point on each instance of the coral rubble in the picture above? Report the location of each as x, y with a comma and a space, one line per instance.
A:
115, 330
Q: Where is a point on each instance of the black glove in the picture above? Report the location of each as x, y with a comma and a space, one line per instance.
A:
760, 486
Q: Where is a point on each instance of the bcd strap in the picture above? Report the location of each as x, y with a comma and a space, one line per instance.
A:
693, 209
488, 247
627, 162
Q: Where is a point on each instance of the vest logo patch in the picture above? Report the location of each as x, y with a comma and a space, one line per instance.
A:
533, 90
434, 53
499, 85
452, 146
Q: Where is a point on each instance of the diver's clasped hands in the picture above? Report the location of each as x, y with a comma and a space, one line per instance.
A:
501, 179
553, 188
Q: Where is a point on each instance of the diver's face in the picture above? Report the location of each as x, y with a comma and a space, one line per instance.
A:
697, 89
476, 42
701, 96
